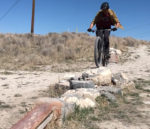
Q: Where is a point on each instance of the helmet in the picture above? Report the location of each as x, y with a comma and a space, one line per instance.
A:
105, 5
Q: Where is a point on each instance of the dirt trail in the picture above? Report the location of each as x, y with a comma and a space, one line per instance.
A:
137, 66
19, 90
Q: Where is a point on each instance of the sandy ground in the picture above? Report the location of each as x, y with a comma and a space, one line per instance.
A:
137, 66
20, 89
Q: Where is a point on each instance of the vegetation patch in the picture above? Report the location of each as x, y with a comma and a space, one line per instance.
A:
123, 110
27, 52
6, 73
54, 91
141, 84
80, 114
3, 105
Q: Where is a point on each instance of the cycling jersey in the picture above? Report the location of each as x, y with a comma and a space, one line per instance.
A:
105, 20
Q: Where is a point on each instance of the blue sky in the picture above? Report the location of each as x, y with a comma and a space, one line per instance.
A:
74, 15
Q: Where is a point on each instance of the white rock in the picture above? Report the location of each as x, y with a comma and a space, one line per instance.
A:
103, 78
68, 76
81, 102
123, 75
71, 99
113, 50
96, 71
69, 92
118, 52
83, 92
85, 103
83, 97
91, 93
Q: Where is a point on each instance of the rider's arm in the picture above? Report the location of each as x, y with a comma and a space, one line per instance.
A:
115, 19
94, 20
117, 25
91, 26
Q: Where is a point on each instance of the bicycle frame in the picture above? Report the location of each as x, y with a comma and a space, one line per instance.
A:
100, 34
99, 50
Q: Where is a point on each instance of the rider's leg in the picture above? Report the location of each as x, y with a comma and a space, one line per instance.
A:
106, 42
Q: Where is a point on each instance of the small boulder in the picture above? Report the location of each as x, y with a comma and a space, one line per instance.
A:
103, 78
115, 55
79, 101
122, 81
110, 89
109, 96
74, 84
82, 97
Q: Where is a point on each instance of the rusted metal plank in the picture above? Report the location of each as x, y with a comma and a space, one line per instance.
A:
45, 122
33, 118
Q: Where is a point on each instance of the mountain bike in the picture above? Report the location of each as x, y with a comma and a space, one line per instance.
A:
100, 55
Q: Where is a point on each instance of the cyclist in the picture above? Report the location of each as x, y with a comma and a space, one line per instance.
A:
103, 20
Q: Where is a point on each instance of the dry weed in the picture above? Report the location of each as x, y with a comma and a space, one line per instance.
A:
26, 52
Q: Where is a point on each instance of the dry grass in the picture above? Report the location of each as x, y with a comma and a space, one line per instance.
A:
26, 52
122, 43
123, 110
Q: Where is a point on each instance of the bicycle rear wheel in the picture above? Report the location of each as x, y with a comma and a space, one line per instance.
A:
98, 52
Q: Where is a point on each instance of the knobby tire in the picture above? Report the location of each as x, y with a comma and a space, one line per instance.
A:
97, 52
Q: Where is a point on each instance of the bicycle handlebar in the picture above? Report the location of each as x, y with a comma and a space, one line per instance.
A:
94, 30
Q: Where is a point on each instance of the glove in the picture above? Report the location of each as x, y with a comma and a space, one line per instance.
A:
89, 29
114, 29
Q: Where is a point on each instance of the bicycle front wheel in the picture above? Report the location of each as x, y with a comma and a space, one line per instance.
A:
97, 52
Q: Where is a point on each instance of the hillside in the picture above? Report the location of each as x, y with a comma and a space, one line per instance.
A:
26, 52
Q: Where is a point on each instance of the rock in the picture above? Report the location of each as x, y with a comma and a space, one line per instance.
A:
82, 97
113, 50
74, 84
85, 76
129, 85
69, 92
110, 89
109, 96
88, 93
103, 78
118, 52
114, 58
71, 99
115, 55
79, 101
85, 103
83, 92
67, 109
121, 80
93, 72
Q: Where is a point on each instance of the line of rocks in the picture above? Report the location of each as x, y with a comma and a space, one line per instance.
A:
82, 91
